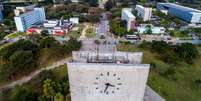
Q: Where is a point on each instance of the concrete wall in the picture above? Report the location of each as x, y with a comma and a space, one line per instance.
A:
84, 83
84, 56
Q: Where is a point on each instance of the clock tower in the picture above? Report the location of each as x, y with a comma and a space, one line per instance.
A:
112, 76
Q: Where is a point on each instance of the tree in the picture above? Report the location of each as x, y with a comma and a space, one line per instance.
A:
148, 29
187, 51
93, 3
72, 45
109, 5
48, 42
54, 91
142, 1
97, 42
118, 28
48, 89
23, 94
93, 18
19, 57
44, 33
22, 60
59, 97
2, 35
46, 74
7, 22
160, 46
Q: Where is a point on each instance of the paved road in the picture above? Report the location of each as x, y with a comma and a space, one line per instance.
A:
102, 27
33, 74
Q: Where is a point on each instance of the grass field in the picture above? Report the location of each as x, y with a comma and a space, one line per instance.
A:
90, 32
76, 33
49, 56
183, 88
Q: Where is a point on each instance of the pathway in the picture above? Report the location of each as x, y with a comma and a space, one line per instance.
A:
27, 78
84, 31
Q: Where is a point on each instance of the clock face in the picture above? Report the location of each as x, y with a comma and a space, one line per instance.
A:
108, 83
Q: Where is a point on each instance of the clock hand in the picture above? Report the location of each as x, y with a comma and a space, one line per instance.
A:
111, 85
106, 87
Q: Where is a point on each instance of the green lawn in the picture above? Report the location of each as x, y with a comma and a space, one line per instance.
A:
183, 88
61, 72
49, 56
14, 35
76, 33
90, 33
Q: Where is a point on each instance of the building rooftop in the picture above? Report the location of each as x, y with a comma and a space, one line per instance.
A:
116, 57
128, 13
183, 8
140, 6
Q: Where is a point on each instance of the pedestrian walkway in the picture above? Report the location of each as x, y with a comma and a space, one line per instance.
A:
27, 78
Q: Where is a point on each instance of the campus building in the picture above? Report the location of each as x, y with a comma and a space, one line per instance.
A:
128, 17
187, 14
144, 12
27, 16
54, 27
154, 30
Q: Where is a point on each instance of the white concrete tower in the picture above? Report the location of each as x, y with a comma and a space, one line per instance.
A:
112, 76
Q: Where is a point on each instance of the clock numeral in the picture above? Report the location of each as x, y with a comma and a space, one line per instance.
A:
114, 74
96, 87
108, 73
113, 92
118, 79
117, 88
101, 91
95, 83
107, 92
101, 74
96, 78
119, 83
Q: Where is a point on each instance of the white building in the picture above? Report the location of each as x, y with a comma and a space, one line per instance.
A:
74, 20
190, 15
155, 30
25, 17
108, 76
144, 12
127, 15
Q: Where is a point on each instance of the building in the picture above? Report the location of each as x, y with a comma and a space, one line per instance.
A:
54, 27
1, 12
129, 18
155, 30
144, 12
187, 14
27, 16
100, 2
75, 1
107, 76
74, 20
